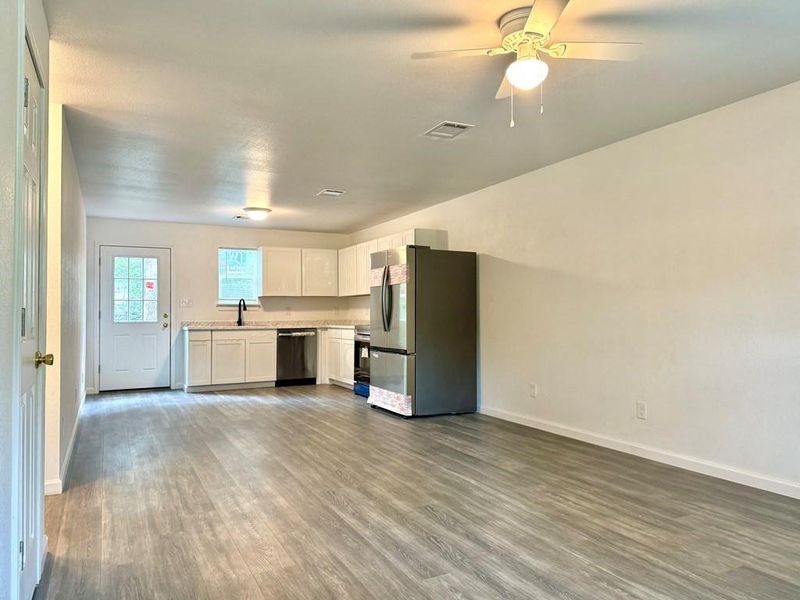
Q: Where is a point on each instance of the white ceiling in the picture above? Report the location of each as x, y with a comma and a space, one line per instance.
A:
187, 110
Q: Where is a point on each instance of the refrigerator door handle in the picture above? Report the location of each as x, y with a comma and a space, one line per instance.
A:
384, 286
389, 297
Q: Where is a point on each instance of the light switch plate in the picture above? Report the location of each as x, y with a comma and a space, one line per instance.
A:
641, 410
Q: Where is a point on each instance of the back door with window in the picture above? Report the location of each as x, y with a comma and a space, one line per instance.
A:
135, 336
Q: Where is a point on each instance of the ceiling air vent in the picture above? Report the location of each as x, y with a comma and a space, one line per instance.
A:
332, 193
448, 130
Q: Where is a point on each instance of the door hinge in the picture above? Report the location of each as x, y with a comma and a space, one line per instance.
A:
99, 314
22, 555
22, 329
27, 85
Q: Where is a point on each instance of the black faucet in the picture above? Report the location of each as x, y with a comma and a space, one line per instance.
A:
242, 307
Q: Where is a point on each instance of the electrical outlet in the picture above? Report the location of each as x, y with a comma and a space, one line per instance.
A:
641, 410
534, 390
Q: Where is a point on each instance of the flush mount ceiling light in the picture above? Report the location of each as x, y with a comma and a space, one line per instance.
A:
256, 213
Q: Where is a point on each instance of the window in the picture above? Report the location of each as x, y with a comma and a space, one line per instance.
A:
135, 289
239, 275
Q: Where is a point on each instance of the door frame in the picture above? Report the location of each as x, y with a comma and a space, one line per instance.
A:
95, 310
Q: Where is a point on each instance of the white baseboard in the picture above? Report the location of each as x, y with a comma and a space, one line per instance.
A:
53, 487
690, 463
91, 391
227, 387
341, 383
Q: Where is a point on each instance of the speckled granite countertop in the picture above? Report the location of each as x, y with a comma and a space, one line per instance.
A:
320, 324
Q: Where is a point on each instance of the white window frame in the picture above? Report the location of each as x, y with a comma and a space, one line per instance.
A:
256, 303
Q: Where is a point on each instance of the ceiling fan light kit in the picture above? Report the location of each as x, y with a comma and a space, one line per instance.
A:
527, 73
526, 33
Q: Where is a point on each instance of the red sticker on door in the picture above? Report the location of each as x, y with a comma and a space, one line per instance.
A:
150, 285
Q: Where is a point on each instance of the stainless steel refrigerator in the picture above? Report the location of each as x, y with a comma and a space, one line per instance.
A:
423, 330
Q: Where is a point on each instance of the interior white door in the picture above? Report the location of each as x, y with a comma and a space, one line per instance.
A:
30, 434
134, 318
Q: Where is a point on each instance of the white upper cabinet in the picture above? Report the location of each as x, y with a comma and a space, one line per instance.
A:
320, 272
363, 252
433, 238
348, 271
354, 261
390, 241
283, 268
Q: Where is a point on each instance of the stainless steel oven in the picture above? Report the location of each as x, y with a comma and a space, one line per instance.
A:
361, 338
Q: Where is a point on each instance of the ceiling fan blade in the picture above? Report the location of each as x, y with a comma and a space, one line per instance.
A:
460, 53
505, 89
544, 16
625, 51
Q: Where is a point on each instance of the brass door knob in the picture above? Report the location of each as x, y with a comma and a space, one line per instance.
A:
43, 359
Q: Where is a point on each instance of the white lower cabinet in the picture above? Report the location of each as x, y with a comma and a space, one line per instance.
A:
227, 357
230, 357
261, 356
347, 368
198, 358
341, 356
334, 356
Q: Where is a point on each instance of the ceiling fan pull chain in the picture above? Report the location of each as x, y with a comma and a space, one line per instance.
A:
541, 99
512, 107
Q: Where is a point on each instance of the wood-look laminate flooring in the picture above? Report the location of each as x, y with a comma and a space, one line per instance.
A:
307, 493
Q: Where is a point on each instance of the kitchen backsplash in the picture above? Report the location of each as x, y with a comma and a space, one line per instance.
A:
284, 309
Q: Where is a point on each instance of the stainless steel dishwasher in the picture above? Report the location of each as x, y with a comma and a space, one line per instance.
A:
297, 357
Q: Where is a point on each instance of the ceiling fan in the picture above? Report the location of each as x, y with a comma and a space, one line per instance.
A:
526, 33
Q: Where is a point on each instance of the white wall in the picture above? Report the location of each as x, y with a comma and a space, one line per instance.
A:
52, 433
664, 268
66, 302
73, 298
194, 270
